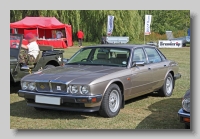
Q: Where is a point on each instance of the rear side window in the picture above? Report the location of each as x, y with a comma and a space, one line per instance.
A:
161, 54
153, 55
138, 55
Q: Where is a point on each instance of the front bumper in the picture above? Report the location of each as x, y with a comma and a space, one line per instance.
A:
66, 101
183, 116
177, 76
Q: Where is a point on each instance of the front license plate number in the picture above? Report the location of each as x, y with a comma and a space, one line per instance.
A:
47, 100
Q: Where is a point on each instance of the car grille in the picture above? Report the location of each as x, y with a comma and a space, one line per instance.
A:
58, 87
51, 87
43, 87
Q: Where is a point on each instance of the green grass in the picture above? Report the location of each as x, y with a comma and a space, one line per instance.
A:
145, 112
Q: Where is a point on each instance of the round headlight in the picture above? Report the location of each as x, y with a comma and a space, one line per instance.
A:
24, 85
84, 90
186, 104
31, 86
73, 89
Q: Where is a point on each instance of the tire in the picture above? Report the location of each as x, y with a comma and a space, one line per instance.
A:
111, 103
49, 66
167, 88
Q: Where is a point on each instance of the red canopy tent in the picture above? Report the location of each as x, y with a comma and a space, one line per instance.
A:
44, 27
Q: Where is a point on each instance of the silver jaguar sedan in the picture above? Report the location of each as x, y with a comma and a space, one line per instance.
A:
101, 78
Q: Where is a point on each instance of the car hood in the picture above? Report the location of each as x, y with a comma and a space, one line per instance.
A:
72, 73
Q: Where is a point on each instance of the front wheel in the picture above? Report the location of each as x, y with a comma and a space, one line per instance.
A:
111, 102
167, 88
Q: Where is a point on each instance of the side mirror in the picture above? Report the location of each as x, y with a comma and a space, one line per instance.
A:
137, 63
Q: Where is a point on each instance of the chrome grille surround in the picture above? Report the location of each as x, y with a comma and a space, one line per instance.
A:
58, 87
42, 86
51, 86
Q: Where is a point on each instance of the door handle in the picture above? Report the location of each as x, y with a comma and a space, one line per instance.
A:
149, 68
164, 65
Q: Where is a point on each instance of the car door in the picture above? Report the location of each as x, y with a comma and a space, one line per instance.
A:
141, 78
158, 66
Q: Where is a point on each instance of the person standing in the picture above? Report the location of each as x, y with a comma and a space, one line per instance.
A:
33, 51
59, 34
80, 36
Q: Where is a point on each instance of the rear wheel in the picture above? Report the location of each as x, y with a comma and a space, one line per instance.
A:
167, 88
111, 102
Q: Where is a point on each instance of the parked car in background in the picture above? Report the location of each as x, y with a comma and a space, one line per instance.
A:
184, 112
47, 58
101, 78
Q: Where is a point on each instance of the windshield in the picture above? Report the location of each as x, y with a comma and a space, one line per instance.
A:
14, 41
107, 56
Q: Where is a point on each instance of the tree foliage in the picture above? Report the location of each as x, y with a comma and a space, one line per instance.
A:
126, 22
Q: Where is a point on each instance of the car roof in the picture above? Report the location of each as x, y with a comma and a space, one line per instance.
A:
128, 46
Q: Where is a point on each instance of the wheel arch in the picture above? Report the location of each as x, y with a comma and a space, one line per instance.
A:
52, 62
121, 87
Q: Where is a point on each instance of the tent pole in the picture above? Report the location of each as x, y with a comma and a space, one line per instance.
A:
66, 40
44, 34
37, 33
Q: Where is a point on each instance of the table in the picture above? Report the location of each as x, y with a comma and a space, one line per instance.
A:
55, 43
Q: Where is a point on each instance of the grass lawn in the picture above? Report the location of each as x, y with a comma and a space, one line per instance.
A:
145, 112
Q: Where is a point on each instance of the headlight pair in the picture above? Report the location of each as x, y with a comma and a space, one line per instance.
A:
28, 86
186, 104
82, 89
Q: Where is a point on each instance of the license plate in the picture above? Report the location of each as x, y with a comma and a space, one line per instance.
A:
47, 100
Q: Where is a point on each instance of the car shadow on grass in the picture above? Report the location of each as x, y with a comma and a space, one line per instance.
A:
20, 109
153, 94
14, 87
163, 113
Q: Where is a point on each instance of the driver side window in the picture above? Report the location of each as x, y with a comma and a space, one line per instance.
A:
138, 55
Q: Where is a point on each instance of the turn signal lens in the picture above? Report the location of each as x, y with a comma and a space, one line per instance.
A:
94, 99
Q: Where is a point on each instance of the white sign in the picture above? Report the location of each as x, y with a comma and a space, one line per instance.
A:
170, 43
147, 30
110, 25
